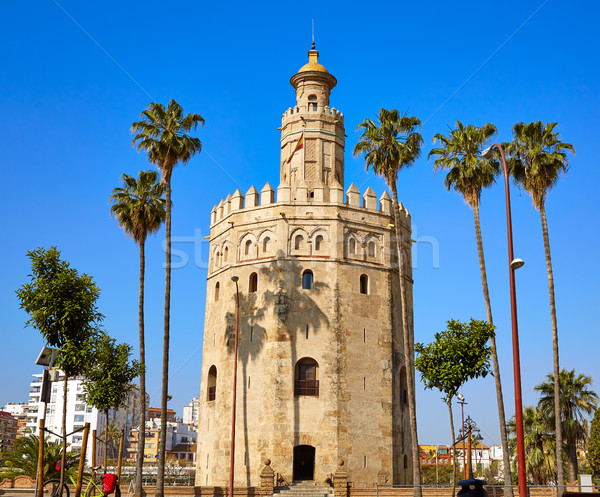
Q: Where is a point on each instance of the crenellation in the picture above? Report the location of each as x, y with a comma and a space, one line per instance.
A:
301, 191
227, 209
267, 195
251, 198
237, 201
283, 192
213, 215
370, 200
220, 210
385, 203
353, 196
336, 193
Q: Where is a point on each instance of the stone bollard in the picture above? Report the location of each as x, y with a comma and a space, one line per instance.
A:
340, 481
267, 478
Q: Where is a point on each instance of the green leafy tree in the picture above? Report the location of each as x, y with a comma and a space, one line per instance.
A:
469, 174
593, 445
440, 474
458, 354
536, 159
108, 379
389, 145
140, 210
576, 401
61, 304
163, 135
538, 438
22, 459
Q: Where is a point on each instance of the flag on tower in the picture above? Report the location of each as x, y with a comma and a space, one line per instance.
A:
299, 146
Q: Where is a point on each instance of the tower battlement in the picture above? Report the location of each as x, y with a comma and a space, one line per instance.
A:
318, 195
294, 111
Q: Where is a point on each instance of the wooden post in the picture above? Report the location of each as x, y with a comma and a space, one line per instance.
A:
121, 439
469, 466
86, 431
40, 469
93, 448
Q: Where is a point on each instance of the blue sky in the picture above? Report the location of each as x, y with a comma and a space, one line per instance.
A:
76, 75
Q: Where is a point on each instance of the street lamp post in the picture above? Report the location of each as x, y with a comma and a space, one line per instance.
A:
461, 401
513, 265
235, 279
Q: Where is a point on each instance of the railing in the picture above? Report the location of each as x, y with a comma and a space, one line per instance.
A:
307, 387
212, 393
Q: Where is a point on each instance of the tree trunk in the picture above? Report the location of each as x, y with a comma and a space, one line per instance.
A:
572, 460
160, 476
453, 449
408, 349
139, 463
64, 437
557, 414
508, 491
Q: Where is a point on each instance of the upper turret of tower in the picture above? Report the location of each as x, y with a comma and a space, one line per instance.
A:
312, 133
313, 80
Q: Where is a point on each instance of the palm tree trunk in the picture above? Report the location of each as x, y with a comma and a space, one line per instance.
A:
508, 491
557, 414
453, 448
64, 437
139, 464
408, 349
160, 476
572, 458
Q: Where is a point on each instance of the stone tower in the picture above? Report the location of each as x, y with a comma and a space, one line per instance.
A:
320, 364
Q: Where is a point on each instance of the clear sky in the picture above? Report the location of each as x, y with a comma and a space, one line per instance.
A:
75, 75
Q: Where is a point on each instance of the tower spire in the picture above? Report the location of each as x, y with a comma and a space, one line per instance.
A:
312, 47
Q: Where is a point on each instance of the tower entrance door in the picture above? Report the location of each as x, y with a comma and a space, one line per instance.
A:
304, 462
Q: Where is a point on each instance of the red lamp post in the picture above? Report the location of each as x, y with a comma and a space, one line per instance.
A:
513, 265
235, 279
461, 401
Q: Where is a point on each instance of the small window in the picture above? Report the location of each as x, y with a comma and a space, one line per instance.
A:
352, 246
306, 377
216, 259
371, 249
318, 243
312, 103
253, 283
405, 461
307, 280
217, 286
364, 284
248, 247
212, 383
266, 244
298, 242
226, 254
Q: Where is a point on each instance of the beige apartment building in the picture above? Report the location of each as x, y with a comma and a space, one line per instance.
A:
320, 365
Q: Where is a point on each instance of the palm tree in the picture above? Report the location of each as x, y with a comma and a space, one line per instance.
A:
539, 445
140, 210
388, 146
22, 459
576, 400
536, 160
469, 174
162, 133
111, 435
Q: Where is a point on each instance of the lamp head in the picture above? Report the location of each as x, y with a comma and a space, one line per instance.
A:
517, 263
460, 397
235, 278
487, 153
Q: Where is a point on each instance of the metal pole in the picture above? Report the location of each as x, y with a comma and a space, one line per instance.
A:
515, 339
462, 413
469, 463
232, 455
40, 469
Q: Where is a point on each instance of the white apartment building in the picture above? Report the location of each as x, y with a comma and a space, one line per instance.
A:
78, 413
190, 413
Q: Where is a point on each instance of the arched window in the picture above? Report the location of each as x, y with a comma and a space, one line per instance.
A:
225, 254
266, 243
247, 247
364, 284
212, 383
351, 246
253, 283
306, 377
298, 242
216, 259
217, 287
371, 249
318, 243
312, 102
405, 461
307, 280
